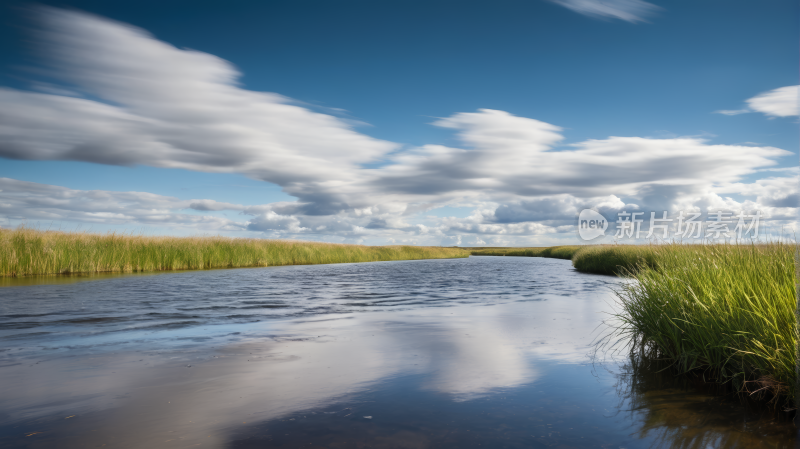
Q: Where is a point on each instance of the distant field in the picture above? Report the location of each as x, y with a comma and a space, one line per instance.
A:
25, 251
557, 252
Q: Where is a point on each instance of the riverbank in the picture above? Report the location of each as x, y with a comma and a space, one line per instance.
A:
553, 252
456, 353
25, 252
727, 311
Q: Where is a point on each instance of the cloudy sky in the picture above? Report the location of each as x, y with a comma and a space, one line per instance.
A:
436, 122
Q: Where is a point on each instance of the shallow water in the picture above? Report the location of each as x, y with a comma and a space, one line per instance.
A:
480, 352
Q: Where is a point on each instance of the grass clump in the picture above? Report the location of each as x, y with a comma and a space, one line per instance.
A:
555, 252
25, 251
725, 310
614, 259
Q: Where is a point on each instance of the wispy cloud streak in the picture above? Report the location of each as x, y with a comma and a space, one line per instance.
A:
627, 10
780, 102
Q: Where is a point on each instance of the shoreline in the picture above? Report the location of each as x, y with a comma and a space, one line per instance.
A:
727, 310
724, 310
28, 252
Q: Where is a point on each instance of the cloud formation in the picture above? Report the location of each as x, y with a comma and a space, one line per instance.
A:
25, 201
627, 10
146, 102
167, 107
780, 102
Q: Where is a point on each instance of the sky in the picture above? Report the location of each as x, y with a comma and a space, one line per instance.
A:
396, 122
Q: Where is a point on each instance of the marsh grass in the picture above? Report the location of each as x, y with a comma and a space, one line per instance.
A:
726, 311
615, 259
556, 252
26, 251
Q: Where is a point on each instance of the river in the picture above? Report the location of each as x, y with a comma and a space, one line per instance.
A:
484, 352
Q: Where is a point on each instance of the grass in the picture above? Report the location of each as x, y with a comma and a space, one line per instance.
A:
615, 259
556, 252
598, 259
25, 251
724, 311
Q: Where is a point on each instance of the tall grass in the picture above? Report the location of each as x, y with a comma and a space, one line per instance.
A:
25, 251
598, 259
614, 259
556, 252
725, 310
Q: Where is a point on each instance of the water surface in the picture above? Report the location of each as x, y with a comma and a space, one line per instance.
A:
479, 352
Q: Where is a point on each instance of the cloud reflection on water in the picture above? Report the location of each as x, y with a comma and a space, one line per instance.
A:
504, 337
277, 367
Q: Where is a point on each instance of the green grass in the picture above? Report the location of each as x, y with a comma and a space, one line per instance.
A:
598, 259
614, 259
556, 252
25, 251
724, 311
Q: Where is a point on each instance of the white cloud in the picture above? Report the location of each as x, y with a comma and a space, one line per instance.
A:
29, 201
271, 221
733, 111
546, 220
514, 157
166, 107
627, 10
780, 192
781, 102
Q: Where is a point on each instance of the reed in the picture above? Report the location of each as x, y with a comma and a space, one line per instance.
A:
25, 251
614, 259
725, 310
555, 252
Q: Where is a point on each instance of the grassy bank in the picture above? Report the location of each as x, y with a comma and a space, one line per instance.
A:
598, 259
727, 311
616, 259
724, 311
555, 252
25, 251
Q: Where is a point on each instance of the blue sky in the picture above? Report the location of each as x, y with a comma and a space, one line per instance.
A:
395, 76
